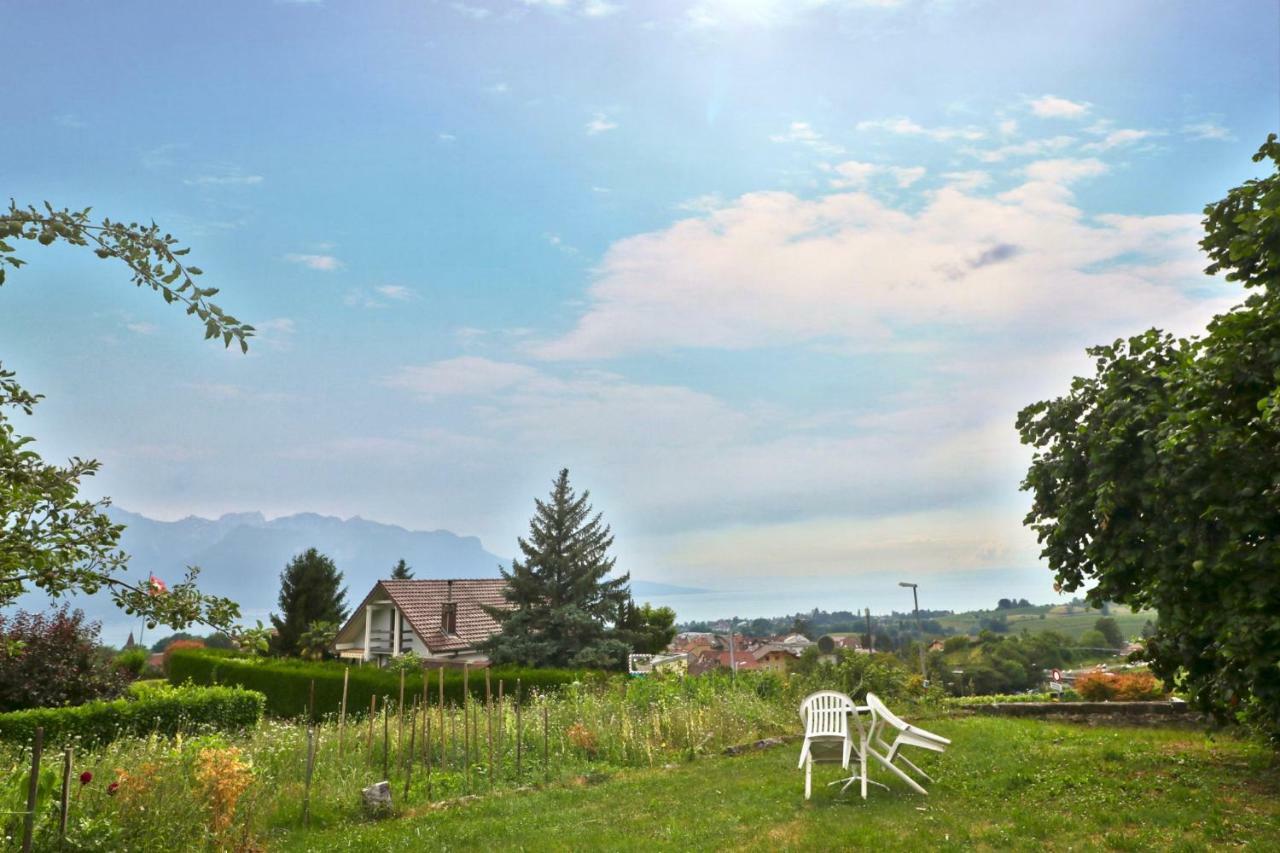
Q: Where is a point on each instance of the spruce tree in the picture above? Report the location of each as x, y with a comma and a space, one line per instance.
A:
311, 591
564, 605
401, 571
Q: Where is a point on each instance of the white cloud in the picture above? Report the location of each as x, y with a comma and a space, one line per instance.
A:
276, 333
1118, 138
903, 126
771, 13
1065, 171
322, 263
140, 328
802, 133
232, 179
853, 174
580, 8
475, 13
398, 292
600, 123
1207, 130
968, 181
498, 89
556, 241
1050, 106
773, 269
906, 176
446, 138
463, 376
1030, 148
1008, 127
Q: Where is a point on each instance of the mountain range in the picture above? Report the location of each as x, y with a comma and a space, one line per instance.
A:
242, 554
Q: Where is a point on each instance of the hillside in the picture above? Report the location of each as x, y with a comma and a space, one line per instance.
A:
1066, 619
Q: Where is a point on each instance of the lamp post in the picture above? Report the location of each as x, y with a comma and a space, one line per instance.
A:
733, 655
915, 601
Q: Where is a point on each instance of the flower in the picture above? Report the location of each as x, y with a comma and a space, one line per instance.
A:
86, 777
156, 586
111, 789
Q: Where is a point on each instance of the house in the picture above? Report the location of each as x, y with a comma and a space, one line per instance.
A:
442, 621
774, 657
936, 646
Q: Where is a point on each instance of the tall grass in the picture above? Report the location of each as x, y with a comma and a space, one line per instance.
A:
206, 790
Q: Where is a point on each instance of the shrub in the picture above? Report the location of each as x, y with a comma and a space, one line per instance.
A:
1107, 687
177, 646
287, 683
162, 711
132, 661
53, 660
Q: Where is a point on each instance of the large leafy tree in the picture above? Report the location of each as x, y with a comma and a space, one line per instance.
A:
1156, 481
312, 600
646, 629
50, 538
564, 605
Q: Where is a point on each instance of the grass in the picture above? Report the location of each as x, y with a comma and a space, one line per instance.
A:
1005, 785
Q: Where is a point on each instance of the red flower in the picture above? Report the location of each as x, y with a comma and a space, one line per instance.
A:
111, 789
156, 585
86, 777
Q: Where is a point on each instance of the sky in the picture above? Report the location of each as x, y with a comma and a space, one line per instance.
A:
772, 278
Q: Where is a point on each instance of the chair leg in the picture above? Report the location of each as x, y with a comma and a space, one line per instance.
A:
862, 769
804, 753
910, 764
808, 778
897, 771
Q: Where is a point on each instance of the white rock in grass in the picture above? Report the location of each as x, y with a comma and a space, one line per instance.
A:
377, 799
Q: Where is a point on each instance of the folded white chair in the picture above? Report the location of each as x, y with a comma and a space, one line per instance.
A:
882, 719
826, 724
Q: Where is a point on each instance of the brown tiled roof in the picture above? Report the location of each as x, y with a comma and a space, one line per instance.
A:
421, 602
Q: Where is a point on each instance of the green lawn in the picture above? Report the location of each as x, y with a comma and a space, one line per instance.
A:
1005, 784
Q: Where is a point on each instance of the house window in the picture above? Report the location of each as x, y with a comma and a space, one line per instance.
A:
449, 617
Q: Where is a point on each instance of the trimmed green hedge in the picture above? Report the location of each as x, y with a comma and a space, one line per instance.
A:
165, 711
287, 683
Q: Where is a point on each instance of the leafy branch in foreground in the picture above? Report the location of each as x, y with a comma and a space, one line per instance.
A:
50, 538
154, 259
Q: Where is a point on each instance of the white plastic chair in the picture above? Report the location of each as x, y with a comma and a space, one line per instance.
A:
908, 735
826, 723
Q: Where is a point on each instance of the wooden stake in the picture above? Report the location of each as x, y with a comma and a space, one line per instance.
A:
546, 764
342, 712
466, 725
373, 710
426, 745
443, 754
386, 738
306, 787
66, 794
501, 725
488, 729
400, 719
29, 820
519, 733
408, 769
311, 704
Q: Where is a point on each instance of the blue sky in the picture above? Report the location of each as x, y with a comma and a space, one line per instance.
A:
771, 278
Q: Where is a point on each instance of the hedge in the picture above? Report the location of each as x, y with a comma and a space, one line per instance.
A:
287, 683
164, 711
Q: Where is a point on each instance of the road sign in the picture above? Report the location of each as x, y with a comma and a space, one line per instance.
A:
1056, 675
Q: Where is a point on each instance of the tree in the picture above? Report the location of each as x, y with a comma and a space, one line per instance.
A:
1110, 631
1157, 480
646, 629
562, 602
50, 538
401, 571
315, 642
311, 592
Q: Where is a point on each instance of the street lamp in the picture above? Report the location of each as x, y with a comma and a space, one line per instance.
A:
915, 600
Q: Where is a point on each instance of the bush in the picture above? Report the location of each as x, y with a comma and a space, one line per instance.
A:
49, 660
177, 646
287, 683
1108, 687
166, 711
132, 661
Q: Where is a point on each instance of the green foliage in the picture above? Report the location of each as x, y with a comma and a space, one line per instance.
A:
287, 683
131, 661
50, 538
1157, 480
315, 642
53, 659
646, 629
856, 674
166, 712
401, 571
562, 602
311, 592
1110, 631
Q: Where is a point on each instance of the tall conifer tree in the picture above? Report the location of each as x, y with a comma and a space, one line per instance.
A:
311, 591
401, 571
564, 603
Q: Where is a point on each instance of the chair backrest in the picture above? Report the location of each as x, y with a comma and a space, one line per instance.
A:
880, 710
826, 713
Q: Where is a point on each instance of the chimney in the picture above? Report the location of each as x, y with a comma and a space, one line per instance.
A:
448, 590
